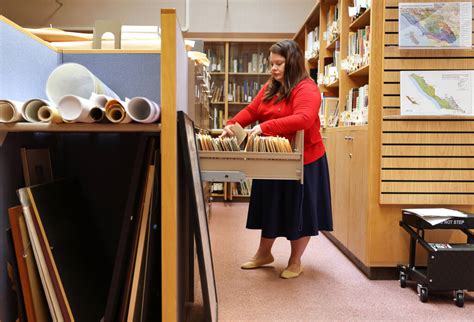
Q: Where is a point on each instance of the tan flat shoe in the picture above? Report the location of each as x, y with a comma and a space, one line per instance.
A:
259, 262
286, 274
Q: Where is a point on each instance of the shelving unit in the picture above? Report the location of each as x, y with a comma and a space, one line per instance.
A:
372, 166
115, 147
238, 70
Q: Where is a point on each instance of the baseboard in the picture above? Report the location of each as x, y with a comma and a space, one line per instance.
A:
373, 273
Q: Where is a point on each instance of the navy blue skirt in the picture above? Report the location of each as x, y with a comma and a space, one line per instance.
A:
286, 208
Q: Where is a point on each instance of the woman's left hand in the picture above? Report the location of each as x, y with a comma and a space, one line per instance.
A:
256, 130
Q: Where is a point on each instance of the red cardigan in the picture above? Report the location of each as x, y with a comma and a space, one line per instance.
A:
299, 112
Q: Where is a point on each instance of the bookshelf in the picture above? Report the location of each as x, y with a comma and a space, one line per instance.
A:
376, 165
102, 156
238, 70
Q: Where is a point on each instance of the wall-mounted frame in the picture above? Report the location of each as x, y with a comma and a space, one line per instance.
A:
203, 242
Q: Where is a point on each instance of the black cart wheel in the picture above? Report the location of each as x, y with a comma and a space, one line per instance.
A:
459, 298
403, 280
423, 294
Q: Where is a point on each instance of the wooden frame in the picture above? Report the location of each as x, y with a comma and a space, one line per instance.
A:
203, 243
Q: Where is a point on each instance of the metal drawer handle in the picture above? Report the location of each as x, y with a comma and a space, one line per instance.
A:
348, 138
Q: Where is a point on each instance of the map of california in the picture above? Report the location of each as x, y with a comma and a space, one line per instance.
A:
431, 24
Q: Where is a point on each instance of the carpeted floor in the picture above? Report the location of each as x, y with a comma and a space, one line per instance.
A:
330, 288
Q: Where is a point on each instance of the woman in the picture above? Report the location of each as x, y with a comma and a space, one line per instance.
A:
288, 102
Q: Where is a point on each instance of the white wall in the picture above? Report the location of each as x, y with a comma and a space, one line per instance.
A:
279, 16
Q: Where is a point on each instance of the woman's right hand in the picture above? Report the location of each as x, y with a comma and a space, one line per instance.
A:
227, 131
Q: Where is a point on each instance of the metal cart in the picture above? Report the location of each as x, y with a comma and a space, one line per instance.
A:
449, 267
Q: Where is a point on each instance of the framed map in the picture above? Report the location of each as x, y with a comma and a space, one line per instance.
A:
435, 25
440, 92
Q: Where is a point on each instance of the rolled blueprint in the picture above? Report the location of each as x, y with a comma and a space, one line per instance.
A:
75, 109
115, 112
49, 114
10, 111
74, 79
143, 110
30, 109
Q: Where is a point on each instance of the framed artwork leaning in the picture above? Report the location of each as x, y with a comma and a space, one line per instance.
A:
189, 151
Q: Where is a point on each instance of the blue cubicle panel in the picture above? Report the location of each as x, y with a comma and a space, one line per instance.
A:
128, 75
25, 64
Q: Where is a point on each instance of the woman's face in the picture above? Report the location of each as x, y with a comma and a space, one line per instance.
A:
277, 62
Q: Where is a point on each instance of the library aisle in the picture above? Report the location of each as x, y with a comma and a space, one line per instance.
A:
330, 288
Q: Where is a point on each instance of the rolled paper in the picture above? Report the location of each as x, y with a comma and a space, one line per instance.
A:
74, 79
75, 109
100, 99
143, 110
115, 112
97, 114
49, 114
30, 109
10, 111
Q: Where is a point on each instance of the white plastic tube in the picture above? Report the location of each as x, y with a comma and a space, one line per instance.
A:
143, 110
74, 79
30, 109
10, 111
75, 109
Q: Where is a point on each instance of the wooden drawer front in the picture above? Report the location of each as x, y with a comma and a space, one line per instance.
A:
427, 161
255, 165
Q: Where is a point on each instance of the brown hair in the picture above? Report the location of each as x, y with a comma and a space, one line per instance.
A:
295, 70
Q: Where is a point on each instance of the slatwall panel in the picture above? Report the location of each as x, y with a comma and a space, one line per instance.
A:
424, 160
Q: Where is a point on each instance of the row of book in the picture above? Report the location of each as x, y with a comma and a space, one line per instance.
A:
241, 188
240, 93
312, 49
216, 59
217, 118
333, 26
358, 50
357, 106
250, 63
329, 111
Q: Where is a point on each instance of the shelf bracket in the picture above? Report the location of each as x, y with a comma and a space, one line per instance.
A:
223, 176
3, 136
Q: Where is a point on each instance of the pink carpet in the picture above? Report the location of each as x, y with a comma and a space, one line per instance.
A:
330, 288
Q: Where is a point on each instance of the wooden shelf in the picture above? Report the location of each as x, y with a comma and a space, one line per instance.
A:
218, 73
216, 103
361, 71
333, 84
313, 60
361, 21
79, 127
239, 103
332, 44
